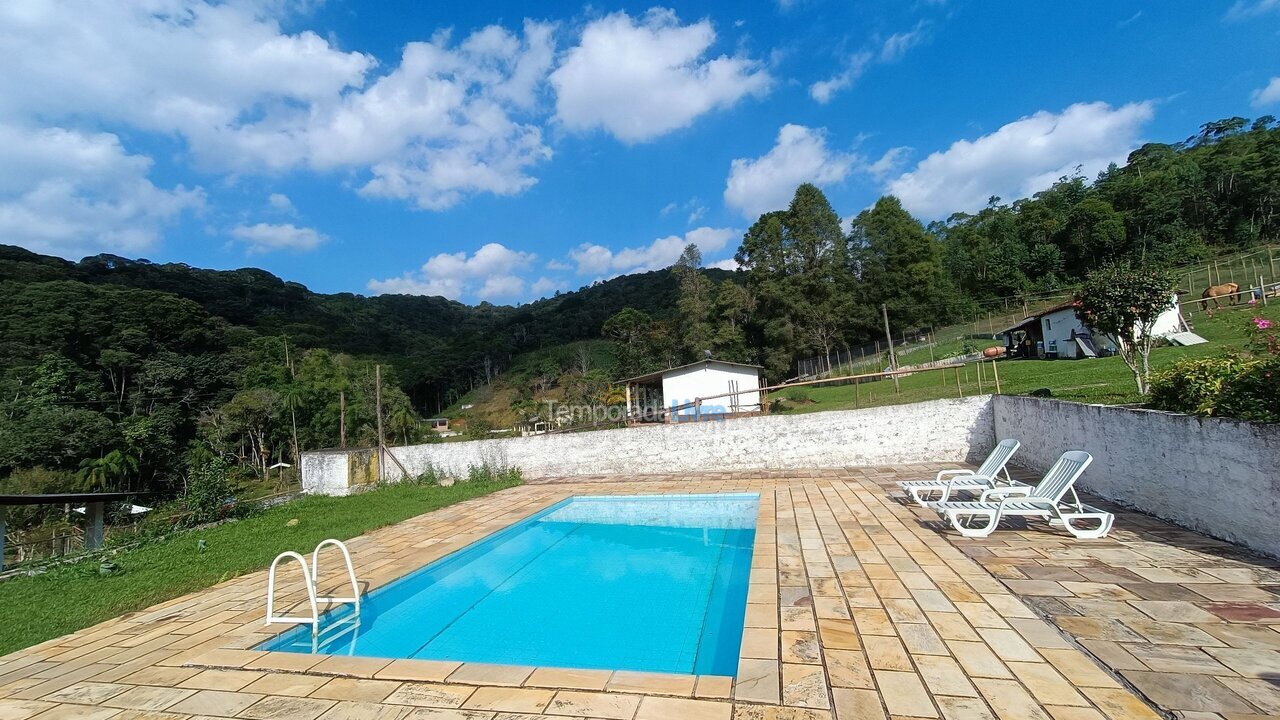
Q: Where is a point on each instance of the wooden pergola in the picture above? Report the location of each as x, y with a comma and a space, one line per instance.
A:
95, 511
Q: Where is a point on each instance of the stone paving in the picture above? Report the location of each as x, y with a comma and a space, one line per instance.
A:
859, 607
1190, 621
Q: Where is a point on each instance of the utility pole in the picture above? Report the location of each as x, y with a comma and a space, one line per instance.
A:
893, 358
342, 418
377, 401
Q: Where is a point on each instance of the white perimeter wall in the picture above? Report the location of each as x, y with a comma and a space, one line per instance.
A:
1220, 477
941, 430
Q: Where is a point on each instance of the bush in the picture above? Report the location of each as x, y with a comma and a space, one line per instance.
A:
493, 473
1254, 393
799, 395
477, 428
208, 491
431, 475
1230, 386
35, 481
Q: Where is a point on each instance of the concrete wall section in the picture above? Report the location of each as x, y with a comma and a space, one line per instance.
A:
941, 430
1219, 477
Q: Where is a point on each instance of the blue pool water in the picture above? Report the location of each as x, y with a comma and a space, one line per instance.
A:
654, 583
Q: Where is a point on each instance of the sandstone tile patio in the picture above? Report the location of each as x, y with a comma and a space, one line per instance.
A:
859, 607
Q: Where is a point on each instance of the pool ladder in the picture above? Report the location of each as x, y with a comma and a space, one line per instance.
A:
311, 578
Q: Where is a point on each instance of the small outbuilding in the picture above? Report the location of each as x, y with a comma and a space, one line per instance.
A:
1060, 332
704, 390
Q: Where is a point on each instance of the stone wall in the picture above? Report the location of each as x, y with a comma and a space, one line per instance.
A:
940, 430
1219, 477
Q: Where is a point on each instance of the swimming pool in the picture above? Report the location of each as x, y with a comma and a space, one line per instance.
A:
654, 583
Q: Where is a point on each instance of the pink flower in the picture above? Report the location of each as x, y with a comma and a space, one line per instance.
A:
1262, 323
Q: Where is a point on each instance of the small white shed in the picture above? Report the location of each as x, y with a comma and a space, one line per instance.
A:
1059, 332
702, 390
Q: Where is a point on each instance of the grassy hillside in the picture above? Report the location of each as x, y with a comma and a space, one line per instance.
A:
1102, 380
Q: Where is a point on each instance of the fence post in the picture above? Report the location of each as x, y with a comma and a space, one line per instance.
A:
996, 374
1262, 287
93, 513
979, 377
3, 512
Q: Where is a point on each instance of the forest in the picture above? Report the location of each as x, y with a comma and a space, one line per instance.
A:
120, 373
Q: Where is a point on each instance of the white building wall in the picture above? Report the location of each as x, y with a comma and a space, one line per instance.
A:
1057, 328
705, 380
1169, 322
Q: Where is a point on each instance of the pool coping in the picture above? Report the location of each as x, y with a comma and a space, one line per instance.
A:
237, 652
867, 611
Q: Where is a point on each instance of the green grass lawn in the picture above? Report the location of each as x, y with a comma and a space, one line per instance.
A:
72, 597
1103, 380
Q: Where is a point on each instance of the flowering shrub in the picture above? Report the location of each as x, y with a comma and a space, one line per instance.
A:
1245, 387
1193, 386
1263, 336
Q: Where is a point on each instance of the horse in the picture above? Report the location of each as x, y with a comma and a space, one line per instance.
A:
1213, 292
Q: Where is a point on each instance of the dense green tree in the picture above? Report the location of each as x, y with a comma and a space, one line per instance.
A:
1124, 302
900, 267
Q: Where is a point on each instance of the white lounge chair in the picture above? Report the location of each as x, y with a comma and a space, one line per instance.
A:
987, 476
1044, 500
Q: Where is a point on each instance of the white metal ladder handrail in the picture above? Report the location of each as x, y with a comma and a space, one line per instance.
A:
310, 579
351, 574
306, 581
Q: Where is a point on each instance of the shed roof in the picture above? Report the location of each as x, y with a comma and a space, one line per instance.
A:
1037, 315
60, 498
650, 377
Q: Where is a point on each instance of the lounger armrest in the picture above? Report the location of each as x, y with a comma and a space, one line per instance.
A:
951, 484
1045, 504
1015, 492
943, 473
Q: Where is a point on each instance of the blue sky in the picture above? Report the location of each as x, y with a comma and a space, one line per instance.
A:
479, 152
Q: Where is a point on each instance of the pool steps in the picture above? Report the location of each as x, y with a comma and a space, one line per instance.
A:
311, 579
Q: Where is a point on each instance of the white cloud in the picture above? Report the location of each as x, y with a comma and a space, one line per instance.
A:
1130, 20
500, 286
890, 50
1268, 95
446, 122
72, 194
897, 44
642, 78
598, 260
889, 163
264, 237
488, 274
281, 203
1021, 158
725, 264
800, 155
1245, 9
545, 286
824, 90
